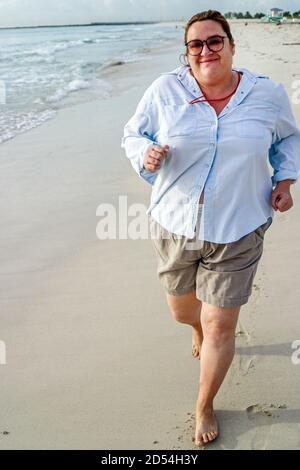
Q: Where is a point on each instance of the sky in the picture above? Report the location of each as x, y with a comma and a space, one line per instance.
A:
43, 12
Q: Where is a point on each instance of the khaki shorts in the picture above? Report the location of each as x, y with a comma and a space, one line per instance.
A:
221, 274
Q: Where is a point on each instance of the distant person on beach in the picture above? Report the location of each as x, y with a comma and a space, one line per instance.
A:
203, 136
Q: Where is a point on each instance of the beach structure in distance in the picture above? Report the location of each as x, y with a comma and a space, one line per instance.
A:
273, 15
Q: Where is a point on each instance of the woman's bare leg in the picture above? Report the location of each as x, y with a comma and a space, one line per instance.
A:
186, 308
218, 347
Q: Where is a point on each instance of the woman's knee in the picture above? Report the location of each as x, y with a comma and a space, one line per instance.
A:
185, 308
219, 323
218, 333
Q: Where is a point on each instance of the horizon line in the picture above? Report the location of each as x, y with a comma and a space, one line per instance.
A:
102, 23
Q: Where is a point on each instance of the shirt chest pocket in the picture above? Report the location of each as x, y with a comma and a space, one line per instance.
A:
179, 120
253, 123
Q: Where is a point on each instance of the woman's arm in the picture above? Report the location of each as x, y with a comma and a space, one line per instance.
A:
139, 135
284, 154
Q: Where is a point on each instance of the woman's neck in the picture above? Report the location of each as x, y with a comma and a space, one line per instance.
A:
216, 89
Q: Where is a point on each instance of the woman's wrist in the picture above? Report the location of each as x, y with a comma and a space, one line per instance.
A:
284, 184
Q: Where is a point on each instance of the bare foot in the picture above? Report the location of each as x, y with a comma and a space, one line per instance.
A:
197, 338
206, 427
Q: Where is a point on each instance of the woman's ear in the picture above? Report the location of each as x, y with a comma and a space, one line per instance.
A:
233, 48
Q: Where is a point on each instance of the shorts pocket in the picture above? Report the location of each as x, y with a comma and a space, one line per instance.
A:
261, 230
160, 238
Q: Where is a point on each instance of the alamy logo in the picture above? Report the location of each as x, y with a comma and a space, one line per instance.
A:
296, 354
131, 222
2, 353
296, 94
2, 92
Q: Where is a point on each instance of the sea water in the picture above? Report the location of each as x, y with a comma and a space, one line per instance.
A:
41, 67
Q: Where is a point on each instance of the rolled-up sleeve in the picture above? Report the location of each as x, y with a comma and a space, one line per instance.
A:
139, 133
284, 153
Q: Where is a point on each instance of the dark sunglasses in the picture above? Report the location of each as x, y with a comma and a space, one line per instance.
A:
214, 44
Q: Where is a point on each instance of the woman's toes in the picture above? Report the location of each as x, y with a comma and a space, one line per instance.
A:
196, 342
195, 350
206, 420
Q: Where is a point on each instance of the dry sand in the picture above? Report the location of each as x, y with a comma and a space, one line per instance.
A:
94, 359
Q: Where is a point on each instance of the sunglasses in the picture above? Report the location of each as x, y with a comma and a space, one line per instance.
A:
214, 44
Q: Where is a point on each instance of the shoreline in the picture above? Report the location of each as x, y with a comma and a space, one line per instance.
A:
83, 95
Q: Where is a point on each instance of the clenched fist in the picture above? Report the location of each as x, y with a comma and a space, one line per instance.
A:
154, 155
281, 196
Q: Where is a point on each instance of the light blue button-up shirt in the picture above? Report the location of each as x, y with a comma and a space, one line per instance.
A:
229, 155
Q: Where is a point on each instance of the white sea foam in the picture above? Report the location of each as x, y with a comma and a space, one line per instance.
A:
62, 93
22, 123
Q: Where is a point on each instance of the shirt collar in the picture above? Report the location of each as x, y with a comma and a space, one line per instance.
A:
247, 82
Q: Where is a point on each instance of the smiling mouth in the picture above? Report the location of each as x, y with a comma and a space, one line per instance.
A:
207, 61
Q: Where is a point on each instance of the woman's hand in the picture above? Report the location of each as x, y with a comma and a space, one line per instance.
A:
153, 156
281, 196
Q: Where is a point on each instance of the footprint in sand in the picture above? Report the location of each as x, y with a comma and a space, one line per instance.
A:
262, 417
246, 365
242, 332
259, 411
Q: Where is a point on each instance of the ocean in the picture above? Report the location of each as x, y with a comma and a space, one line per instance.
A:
43, 69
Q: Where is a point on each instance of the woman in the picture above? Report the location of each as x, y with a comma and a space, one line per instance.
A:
202, 135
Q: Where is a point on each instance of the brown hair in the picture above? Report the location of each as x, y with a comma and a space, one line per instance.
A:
208, 15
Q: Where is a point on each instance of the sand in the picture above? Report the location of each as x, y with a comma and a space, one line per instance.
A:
93, 357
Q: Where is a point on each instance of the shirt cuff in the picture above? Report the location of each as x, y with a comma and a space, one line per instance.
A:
284, 175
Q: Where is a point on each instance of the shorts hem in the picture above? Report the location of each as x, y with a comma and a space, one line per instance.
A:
182, 291
225, 302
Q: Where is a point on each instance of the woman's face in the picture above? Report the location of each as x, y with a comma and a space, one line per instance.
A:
210, 65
